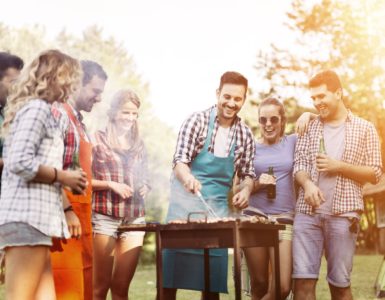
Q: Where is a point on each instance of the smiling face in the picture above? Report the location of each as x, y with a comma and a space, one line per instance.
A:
230, 97
270, 122
90, 94
126, 117
326, 102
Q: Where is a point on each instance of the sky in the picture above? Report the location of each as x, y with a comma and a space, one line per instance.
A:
180, 47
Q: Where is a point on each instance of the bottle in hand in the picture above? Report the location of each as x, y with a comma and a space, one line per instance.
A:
321, 149
75, 166
270, 188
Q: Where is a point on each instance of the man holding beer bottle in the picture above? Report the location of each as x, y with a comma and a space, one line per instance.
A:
338, 153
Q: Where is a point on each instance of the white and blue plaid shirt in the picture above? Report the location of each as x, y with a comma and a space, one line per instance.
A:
34, 139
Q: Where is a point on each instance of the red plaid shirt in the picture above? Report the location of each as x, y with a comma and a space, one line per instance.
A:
122, 167
71, 136
362, 148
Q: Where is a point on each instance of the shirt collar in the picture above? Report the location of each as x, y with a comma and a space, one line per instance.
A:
236, 120
78, 115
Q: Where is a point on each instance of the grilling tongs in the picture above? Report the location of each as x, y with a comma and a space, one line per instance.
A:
209, 208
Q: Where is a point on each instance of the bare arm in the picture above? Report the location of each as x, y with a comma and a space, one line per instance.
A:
122, 189
75, 179
361, 174
312, 194
73, 223
303, 122
183, 173
241, 198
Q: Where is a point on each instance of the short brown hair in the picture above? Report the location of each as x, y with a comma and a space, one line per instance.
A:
328, 77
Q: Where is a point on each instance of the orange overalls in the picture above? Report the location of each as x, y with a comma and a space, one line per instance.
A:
72, 267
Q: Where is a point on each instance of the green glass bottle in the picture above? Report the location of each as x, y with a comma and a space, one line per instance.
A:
321, 149
270, 188
75, 166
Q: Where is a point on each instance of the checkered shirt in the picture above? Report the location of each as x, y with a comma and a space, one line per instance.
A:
192, 137
34, 139
362, 148
119, 166
71, 135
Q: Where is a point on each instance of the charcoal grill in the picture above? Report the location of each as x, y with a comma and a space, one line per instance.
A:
235, 234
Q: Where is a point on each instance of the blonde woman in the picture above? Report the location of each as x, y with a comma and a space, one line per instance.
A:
120, 185
31, 208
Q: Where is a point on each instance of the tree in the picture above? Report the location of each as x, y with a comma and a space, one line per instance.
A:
120, 67
338, 34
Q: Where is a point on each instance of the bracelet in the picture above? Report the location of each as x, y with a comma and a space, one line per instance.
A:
55, 176
68, 208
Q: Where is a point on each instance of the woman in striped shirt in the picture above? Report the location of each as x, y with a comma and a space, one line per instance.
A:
31, 209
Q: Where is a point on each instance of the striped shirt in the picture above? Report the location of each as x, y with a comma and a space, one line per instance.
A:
192, 137
362, 148
118, 166
34, 139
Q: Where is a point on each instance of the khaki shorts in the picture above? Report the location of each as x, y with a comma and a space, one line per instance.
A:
287, 233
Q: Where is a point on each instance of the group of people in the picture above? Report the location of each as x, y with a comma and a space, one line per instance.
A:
317, 173
65, 192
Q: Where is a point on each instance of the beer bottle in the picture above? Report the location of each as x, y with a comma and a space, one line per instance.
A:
322, 149
75, 166
270, 188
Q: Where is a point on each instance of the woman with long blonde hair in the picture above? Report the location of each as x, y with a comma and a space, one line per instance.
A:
31, 208
119, 186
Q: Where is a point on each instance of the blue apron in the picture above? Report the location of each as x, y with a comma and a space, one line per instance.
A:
184, 268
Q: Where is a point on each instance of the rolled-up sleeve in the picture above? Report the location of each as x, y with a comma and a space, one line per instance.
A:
302, 155
246, 165
187, 139
373, 151
27, 136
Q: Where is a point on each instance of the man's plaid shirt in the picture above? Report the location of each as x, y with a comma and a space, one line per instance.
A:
71, 136
362, 148
192, 137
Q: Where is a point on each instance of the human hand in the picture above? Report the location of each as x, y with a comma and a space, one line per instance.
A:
313, 195
74, 226
122, 189
143, 191
265, 179
325, 163
76, 180
302, 123
241, 199
191, 184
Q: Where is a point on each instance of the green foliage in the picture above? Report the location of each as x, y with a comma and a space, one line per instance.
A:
344, 35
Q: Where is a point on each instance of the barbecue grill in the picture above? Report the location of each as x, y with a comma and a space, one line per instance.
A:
207, 235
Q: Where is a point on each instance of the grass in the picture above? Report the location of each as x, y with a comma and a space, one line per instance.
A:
365, 270
364, 274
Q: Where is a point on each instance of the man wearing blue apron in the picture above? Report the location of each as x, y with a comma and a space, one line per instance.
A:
212, 146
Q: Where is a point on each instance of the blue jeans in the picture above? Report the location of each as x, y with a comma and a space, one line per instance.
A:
314, 234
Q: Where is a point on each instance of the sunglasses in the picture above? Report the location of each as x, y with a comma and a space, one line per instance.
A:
273, 120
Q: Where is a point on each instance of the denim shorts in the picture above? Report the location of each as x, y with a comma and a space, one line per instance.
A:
15, 234
314, 234
107, 225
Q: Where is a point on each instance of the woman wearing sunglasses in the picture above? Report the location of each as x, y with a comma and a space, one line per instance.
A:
275, 151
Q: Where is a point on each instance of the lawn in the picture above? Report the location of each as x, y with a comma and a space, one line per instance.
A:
364, 273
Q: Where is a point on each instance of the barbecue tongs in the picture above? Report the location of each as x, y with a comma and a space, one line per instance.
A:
209, 208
